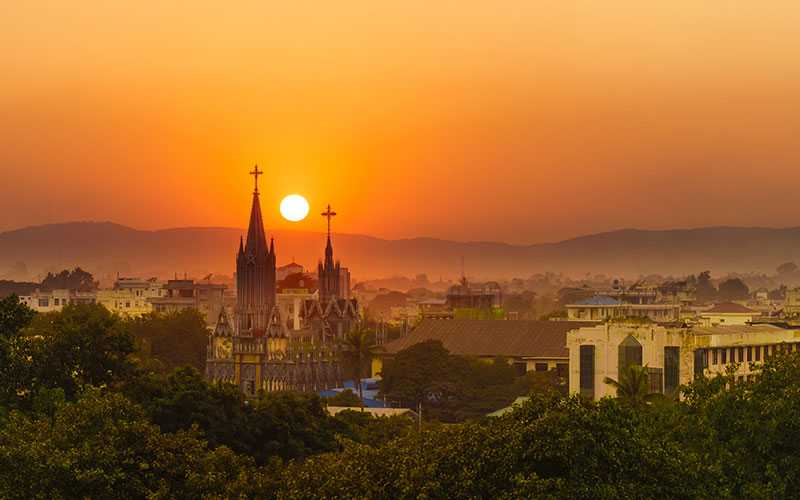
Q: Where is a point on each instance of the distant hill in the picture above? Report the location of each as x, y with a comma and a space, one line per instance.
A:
106, 248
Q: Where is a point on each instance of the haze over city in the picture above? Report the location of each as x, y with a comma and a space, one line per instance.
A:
382, 250
520, 122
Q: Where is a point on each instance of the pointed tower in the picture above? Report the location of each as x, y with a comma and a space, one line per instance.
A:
255, 273
328, 272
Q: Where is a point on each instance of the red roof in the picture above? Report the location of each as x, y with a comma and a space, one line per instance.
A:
731, 308
511, 338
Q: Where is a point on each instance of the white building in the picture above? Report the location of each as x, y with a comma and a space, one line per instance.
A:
55, 300
673, 356
602, 308
728, 313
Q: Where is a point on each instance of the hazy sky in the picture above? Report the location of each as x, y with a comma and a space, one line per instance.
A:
519, 121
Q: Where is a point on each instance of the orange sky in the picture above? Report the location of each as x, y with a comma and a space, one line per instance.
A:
517, 121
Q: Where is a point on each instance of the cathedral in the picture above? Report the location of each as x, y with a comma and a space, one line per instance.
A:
259, 349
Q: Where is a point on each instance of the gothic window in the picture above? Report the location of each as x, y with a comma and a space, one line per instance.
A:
630, 353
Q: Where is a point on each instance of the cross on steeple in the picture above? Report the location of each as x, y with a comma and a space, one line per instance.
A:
255, 173
329, 214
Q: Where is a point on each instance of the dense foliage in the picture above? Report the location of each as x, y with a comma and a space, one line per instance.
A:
172, 339
75, 280
98, 424
452, 388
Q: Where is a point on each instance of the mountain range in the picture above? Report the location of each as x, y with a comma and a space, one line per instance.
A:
107, 248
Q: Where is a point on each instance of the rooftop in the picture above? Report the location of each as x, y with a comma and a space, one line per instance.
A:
599, 300
511, 338
730, 308
736, 329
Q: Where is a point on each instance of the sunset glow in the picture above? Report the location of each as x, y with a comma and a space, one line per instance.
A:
536, 121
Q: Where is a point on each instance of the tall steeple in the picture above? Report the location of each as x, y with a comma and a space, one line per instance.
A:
256, 237
255, 272
328, 273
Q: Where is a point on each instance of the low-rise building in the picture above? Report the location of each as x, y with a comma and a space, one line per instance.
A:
407, 314
673, 355
131, 296
44, 301
728, 313
603, 308
207, 298
791, 306
528, 345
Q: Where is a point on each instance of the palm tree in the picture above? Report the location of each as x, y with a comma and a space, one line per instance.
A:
633, 386
357, 350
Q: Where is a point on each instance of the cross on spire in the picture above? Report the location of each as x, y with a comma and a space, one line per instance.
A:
255, 173
329, 214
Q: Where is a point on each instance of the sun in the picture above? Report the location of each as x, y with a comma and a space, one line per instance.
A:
294, 208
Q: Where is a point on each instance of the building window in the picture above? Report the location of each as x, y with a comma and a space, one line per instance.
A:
766, 352
630, 353
655, 376
520, 368
587, 371
44, 302
724, 359
714, 356
758, 352
741, 354
562, 369
700, 362
672, 363
749, 353
541, 367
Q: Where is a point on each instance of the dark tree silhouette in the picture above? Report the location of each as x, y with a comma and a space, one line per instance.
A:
733, 289
76, 280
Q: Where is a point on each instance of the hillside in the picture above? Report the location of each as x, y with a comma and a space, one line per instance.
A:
106, 248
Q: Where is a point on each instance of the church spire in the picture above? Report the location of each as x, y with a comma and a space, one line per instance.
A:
256, 237
329, 214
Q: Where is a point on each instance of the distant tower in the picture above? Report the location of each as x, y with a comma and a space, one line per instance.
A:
255, 273
328, 272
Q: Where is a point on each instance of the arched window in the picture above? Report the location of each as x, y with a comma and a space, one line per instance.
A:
630, 353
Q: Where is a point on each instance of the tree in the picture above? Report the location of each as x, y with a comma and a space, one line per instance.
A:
704, 289
345, 398
286, 425
174, 339
357, 350
633, 386
81, 345
423, 372
75, 280
733, 289
15, 349
102, 446
787, 268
